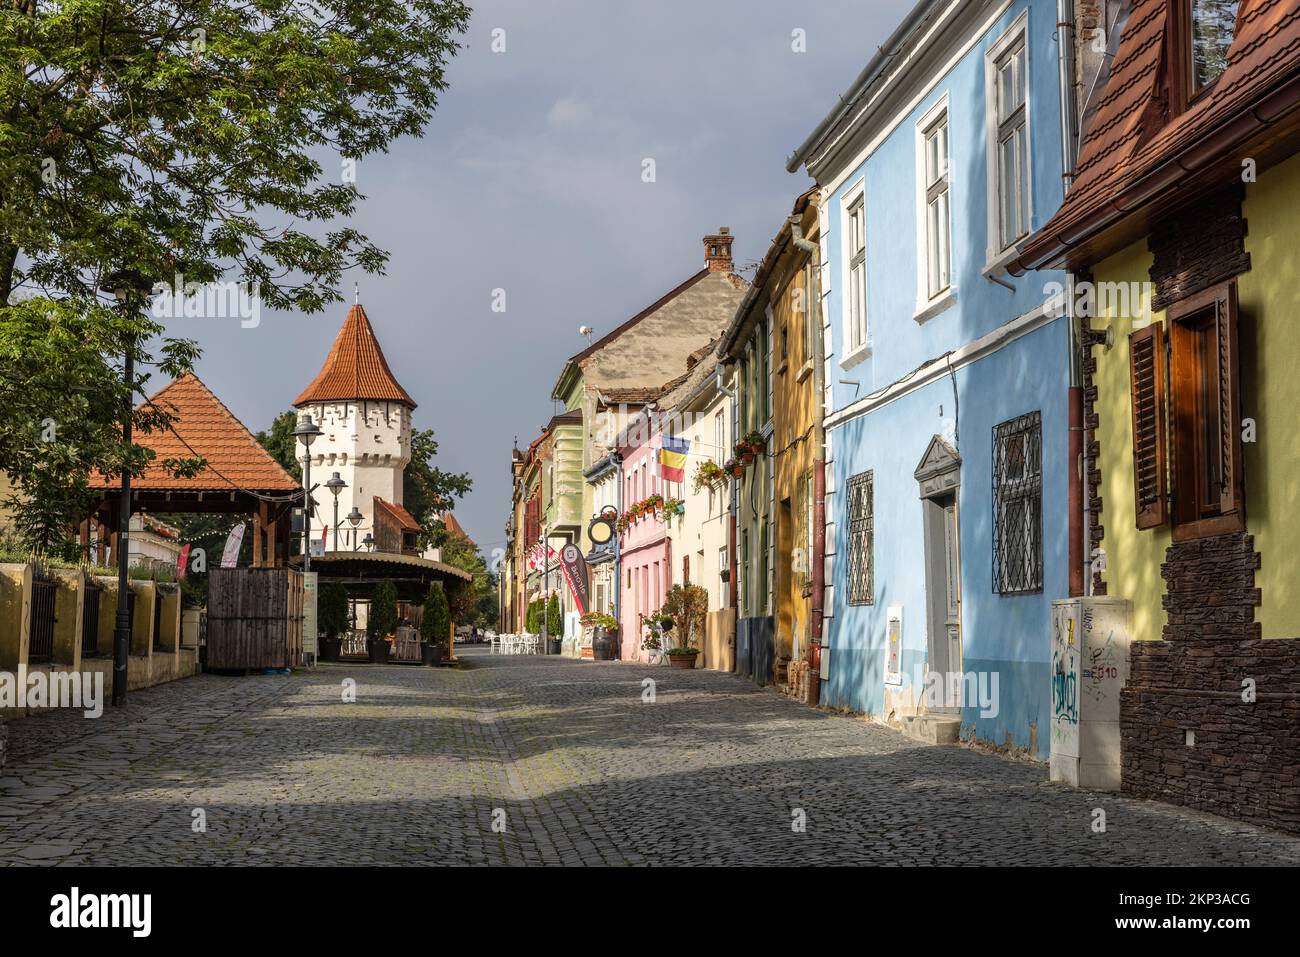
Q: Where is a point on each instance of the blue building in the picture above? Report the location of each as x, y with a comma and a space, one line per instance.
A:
948, 382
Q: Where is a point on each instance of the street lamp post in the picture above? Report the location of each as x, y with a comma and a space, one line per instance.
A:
130, 289
306, 431
336, 485
354, 519
368, 541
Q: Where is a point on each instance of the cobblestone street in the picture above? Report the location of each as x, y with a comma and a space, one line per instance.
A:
568, 758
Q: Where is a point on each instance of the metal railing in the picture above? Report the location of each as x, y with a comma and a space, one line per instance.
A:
41, 647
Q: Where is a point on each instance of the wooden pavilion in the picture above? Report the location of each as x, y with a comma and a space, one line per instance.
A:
240, 477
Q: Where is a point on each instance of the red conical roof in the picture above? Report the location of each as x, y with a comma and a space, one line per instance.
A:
355, 369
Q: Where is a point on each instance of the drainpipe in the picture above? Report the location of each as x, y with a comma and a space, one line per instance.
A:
819, 464
617, 459
1066, 40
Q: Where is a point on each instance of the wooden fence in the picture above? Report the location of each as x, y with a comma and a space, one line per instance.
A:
255, 618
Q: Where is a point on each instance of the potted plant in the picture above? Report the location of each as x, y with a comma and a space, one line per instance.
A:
734, 467
333, 620
435, 626
554, 626
744, 452
382, 622
708, 474
604, 628
755, 442
686, 605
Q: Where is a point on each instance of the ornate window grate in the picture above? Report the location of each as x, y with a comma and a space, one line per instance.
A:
1018, 505
862, 536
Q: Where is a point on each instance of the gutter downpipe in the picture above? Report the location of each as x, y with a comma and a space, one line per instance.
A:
814, 311
616, 458
1077, 452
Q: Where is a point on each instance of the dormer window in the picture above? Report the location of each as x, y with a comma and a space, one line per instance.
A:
1214, 23
1201, 34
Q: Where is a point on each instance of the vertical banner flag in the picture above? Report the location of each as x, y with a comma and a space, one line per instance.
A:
183, 561
230, 555
672, 458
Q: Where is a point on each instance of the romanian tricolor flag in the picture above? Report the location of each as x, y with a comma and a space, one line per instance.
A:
672, 458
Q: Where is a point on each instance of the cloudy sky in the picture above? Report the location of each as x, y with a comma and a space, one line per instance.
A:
529, 180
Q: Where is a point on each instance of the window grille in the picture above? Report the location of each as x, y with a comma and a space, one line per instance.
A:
862, 535
1018, 505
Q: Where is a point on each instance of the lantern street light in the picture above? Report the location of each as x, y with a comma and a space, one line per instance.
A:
336, 485
369, 542
306, 433
355, 517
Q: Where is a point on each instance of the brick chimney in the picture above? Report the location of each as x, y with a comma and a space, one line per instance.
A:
717, 250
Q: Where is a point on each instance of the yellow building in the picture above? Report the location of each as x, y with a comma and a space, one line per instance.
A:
786, 283
1181, 232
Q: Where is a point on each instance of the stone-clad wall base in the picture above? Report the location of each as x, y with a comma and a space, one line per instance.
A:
1244, 759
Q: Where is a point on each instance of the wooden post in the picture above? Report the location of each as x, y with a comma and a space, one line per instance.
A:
83, 538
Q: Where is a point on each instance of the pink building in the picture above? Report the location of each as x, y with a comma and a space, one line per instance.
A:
645, 549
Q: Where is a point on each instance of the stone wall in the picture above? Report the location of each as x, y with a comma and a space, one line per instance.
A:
1211, 715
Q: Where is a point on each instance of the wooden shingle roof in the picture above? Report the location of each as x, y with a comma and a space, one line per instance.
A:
1131, 162
355, 368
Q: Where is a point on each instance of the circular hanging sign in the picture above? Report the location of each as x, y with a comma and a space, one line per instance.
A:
601, 530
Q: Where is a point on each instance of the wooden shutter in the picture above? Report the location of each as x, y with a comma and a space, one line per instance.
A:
1147, 394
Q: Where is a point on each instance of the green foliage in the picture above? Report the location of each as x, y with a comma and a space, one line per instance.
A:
383, 611
533, 618
428, 491
554, 626
208, 531
279, 441
686, 605
195, 140
435, 627
64, 396
332, 609
475, 604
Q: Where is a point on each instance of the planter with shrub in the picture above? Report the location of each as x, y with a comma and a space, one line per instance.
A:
382, 623
435, 627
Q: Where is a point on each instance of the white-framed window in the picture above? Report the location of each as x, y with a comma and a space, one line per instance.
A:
719, 437
934, 200
855, 270
1006, 86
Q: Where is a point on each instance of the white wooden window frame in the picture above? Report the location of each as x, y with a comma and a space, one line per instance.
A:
857, 336
930, 305
853, 350
998, 255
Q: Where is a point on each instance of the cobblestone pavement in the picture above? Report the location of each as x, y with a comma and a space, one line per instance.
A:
568, 758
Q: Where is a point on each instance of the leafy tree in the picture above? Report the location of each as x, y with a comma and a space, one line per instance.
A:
332, 609
532, 620
279, 441
554, 626
428, 491
686, 605
176, 140
65, 397
435, 627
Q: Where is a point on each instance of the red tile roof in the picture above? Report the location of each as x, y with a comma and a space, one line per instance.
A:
355, 368
203, 424
1124, 143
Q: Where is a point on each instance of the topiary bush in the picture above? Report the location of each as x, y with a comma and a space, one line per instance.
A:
383, 611
332, 609
554, 627
435, 627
